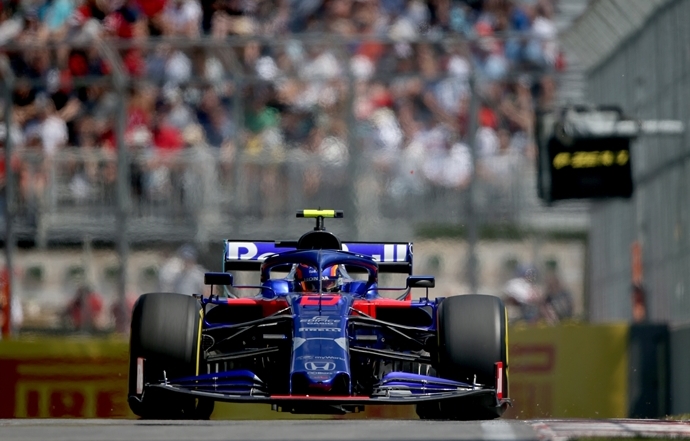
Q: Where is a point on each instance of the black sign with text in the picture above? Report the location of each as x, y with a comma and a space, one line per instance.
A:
576, 167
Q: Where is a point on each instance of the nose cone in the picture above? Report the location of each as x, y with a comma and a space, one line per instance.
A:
320, 358
321, 366
318, 383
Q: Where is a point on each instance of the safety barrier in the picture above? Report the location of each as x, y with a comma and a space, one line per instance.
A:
569, 371
562, 371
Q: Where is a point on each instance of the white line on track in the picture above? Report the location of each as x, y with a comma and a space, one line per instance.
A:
560, 430
497, 430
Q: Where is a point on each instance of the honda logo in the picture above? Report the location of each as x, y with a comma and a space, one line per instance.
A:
319, 366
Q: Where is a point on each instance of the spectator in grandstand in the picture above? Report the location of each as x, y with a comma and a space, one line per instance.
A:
523, 296
17, 134
408, 181
24, 101
83, 312
542, 50
52, 129
516, 110
453, 89
489, 57
486, 141
558, 300
32, 170
197, 172
232, 17
141, 106
55, 15
177, 68
66, 101
214, 116
11, 23
178, 113
181, 18
122, 315
498, 168
181, 273
167, 138
139, 142
16, 315
33, 30
446, 165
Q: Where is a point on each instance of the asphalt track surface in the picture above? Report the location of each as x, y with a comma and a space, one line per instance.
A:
336, 430
273, 430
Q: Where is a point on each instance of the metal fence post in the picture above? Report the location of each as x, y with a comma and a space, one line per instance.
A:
8, 78
123, 181
472, 227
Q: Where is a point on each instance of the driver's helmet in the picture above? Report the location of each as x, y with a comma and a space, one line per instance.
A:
306, 279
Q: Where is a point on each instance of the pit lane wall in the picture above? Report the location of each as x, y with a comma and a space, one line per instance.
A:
563, 371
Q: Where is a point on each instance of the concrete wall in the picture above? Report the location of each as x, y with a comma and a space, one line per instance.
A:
60, 271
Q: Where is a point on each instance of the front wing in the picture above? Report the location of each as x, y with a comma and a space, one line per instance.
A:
396, 388
335, 400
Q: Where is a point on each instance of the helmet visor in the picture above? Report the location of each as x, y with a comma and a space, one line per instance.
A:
327, 285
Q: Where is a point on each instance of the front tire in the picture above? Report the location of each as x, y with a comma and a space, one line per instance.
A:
472, 338
166, 333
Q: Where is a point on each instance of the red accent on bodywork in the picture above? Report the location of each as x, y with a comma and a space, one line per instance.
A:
499, 380
368, 307
250, 302
140, 375
319, 300
267, 306
317, 397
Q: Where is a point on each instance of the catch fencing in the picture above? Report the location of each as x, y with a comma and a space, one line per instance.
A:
649, 77
246, 172
199, 140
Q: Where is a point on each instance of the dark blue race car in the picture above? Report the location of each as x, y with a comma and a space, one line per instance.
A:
319, 337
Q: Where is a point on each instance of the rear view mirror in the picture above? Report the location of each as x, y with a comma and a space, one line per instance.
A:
421, 282
218, 279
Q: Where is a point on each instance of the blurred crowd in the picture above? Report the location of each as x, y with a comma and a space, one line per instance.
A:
270, 97
313, 83
90, 311
532, 296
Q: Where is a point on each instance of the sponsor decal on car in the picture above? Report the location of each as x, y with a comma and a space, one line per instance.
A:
320, 320
319, 300
319, 366
319, 329
321, 357
260, 250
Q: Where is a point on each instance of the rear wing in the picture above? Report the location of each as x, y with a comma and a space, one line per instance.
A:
395, 257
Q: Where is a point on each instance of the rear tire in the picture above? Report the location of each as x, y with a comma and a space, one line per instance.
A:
472, 338
165, 332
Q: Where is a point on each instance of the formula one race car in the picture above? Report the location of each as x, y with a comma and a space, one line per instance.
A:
318, 337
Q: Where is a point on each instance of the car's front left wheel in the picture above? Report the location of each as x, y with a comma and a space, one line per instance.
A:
472, 338
165, 343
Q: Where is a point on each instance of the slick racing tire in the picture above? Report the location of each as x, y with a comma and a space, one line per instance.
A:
165, 341
472, 337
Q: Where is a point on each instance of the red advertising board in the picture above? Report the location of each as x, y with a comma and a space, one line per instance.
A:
5, 303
